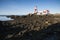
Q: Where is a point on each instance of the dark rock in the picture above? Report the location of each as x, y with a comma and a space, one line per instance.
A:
30, 27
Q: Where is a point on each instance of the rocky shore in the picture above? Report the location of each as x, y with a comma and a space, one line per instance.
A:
31, 27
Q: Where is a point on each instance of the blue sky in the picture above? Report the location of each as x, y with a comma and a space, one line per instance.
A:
22, 7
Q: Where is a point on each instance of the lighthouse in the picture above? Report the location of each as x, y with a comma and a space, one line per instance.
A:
35, 10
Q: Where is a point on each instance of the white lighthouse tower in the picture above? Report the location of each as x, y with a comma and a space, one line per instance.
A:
35, 10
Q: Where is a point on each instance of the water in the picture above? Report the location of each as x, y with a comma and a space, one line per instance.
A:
4, 18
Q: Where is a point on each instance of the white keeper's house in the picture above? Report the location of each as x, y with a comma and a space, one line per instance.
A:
44, 12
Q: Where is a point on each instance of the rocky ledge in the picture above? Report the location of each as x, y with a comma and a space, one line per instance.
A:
31, 27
